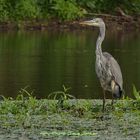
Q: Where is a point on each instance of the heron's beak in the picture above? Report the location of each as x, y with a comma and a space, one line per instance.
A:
89, 23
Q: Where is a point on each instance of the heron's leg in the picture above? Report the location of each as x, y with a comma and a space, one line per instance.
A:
104, 100
112, 102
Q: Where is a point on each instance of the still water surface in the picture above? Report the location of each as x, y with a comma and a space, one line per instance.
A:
47, 60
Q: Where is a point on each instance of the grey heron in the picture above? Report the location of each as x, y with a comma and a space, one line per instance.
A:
107, 69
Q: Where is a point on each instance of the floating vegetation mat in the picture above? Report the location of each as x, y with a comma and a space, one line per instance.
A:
74, 119
63, 117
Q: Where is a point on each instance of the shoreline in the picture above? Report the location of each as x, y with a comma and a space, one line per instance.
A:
111, 21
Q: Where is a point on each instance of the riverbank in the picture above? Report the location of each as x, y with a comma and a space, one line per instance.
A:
30, 14
29, 118
112, 22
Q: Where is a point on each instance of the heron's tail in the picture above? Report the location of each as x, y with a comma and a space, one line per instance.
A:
117, 92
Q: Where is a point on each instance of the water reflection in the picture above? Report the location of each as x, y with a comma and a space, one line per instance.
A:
47, 60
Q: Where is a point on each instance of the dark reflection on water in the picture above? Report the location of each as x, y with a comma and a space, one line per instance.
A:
47, 60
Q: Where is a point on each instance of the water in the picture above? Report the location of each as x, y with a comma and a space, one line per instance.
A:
46, 60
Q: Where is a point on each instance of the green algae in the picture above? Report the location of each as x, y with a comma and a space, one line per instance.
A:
30, 118
67, 133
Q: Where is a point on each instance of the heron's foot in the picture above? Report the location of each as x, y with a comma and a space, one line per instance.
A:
108, 108
113, 108
103, 109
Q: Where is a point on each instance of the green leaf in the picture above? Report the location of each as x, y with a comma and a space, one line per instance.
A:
136, 93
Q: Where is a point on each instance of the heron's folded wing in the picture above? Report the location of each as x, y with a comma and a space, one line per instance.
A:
115, 69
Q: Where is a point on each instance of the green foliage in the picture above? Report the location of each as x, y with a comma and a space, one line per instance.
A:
25, 103
136, 93
128, 6
45, 7
18, 10
11, 10
67, 10
61, 96
58, 95
109, 6
128, 103
61, 9
28, 112
4, 13
25, 9
89, 5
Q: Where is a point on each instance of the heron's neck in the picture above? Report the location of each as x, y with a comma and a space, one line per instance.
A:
100, 40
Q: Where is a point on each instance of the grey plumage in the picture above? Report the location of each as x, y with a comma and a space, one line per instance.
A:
107, 69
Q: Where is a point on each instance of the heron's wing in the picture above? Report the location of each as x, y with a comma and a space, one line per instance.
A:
114, 68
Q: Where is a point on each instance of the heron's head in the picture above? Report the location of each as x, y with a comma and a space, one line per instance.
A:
98, 22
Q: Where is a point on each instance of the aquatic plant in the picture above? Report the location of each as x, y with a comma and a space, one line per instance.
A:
73, 117
61, 96
136, 93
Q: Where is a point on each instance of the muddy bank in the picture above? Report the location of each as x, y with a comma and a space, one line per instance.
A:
127, 23
72, 119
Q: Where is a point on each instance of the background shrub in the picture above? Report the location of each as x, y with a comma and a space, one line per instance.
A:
11, 10
67, 10
3, 11
26, 9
